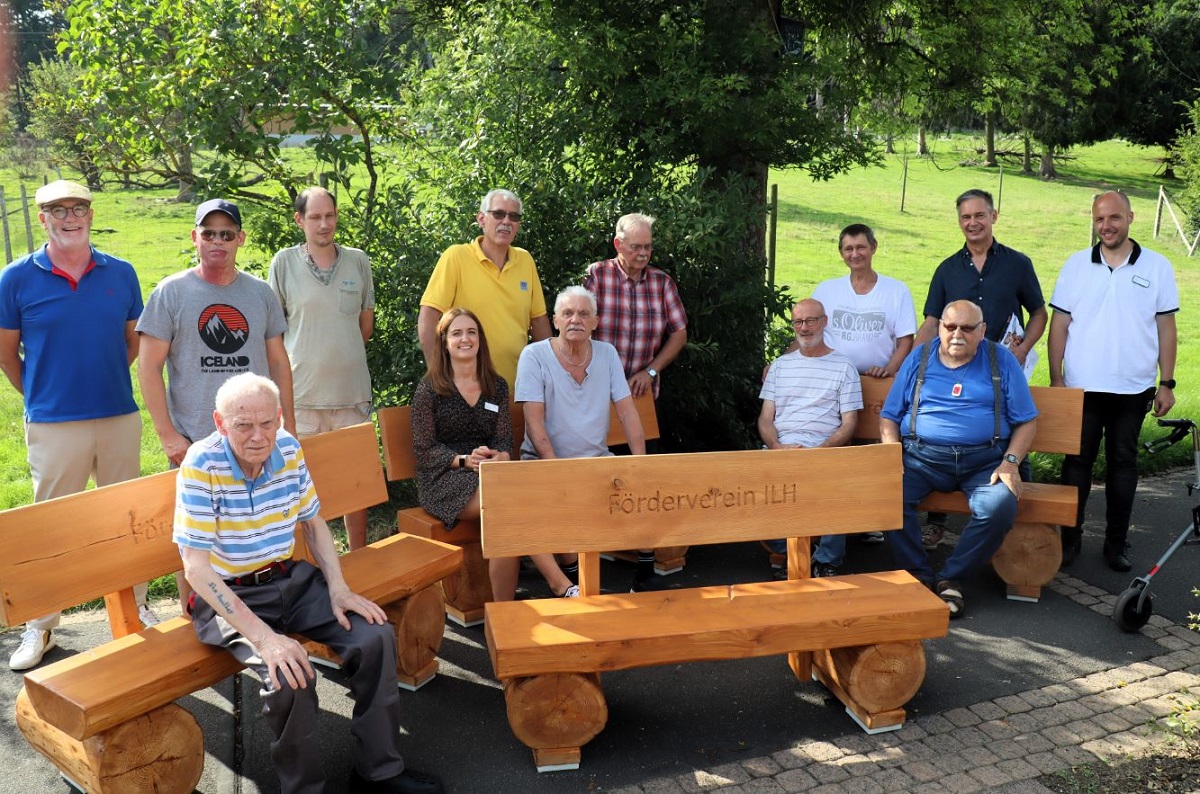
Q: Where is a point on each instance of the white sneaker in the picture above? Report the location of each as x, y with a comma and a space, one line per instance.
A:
571, 592
34, 645
147, 616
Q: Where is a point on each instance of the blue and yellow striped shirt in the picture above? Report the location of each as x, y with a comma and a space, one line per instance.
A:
243, 524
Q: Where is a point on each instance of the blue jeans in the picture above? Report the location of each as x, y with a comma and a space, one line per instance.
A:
932, 467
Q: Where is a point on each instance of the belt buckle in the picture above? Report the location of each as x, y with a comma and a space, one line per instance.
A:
264, 575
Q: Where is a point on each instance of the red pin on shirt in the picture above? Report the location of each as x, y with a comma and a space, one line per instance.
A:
956, 391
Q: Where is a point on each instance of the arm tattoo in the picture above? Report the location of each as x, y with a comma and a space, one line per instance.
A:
224, 602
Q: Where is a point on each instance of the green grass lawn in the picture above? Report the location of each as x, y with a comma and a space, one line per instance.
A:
1047, 220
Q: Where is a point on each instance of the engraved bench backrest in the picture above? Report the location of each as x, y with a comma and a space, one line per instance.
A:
632, 502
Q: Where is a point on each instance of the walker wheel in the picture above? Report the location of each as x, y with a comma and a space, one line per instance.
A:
1128, 615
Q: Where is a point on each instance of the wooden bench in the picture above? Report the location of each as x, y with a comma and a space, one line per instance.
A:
105, 717
858, 634
1032, 550
468, 590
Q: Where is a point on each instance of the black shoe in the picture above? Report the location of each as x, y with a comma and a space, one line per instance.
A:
1117, 556
410, 781
649, 584
1072, 541
820, 570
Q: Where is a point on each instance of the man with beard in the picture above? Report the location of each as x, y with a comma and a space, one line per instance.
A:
962, 408
811, 398
1113, 330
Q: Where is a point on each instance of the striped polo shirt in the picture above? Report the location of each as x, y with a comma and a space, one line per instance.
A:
244, 524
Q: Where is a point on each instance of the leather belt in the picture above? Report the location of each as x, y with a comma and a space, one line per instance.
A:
268, 573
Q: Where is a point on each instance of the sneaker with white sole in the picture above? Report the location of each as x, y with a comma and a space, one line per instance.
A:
872, 538
147, 616
571, 592
34, 644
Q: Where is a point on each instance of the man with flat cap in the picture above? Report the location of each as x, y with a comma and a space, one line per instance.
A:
67, 314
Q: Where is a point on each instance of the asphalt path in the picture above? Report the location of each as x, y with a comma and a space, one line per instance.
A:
669, 720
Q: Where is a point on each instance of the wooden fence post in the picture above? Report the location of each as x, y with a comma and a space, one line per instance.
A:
8, 257
28, 226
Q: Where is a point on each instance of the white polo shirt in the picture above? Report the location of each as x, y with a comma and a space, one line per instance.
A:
1112, 341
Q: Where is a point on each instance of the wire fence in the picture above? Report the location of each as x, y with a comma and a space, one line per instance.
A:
1165, 201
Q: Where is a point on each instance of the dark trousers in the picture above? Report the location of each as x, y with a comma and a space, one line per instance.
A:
1118, 418
299, 603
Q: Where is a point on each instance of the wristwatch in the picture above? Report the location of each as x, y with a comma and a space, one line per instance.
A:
653, 373
1011, 458
462, 461
1168, 382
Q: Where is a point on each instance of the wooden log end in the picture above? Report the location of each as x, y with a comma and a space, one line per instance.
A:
549, 712
162, 750
1030, 555
873, 679
420, 621
413, 682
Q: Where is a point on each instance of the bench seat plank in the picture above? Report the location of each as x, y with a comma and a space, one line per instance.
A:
106, 686
596, 634
1040, 503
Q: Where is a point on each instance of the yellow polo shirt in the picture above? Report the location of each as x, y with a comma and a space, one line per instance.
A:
505, 301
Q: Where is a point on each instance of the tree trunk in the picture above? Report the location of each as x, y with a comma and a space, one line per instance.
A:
1027, 157
185, 194
989, 141
1047, 170
922, 146
889, 144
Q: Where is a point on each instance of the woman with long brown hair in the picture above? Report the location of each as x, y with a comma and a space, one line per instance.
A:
461, 419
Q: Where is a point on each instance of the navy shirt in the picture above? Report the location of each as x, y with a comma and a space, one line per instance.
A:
1006, 285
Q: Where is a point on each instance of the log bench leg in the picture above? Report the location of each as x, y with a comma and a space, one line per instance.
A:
1028, 559
555, 715
419, 621
469, 588
873, 681
162, 750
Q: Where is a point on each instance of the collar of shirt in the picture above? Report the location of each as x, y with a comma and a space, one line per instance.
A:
272, 464
1134, 253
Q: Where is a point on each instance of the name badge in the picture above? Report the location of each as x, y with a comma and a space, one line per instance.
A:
487, 406
524, 286
956, 391
1141, 282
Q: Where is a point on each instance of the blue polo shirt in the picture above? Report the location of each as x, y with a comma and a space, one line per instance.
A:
75, 364
1006, 285
957, 404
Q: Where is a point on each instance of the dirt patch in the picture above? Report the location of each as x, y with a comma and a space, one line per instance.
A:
1170, 771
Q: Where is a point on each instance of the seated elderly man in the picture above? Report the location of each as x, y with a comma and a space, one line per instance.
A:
811, 398
241, 491
966, 418
566, 384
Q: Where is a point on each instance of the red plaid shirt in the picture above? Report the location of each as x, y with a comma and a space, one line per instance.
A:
635, 316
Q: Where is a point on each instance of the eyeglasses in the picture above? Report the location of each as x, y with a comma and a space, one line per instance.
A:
500, 215
805, 321
226, 235
966, 329
61, 213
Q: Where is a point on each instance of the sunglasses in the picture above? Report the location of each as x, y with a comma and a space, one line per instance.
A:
226, 235
501, 215
966, 329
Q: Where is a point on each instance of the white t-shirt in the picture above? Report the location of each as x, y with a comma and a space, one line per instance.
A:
810, 395
1112, 341
864, 328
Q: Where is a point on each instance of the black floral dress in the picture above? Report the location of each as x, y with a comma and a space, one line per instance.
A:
445, 427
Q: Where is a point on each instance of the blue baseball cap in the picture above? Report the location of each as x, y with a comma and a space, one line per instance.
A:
218, 205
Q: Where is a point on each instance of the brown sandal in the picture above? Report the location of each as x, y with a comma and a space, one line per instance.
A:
948, 591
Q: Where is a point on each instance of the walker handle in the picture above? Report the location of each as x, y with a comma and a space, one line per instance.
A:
1180, 430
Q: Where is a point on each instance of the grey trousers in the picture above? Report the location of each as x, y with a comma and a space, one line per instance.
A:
298, 603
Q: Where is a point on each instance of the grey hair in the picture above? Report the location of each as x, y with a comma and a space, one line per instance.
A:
632, 221
975, 193
507, 195
575, 291
242, 386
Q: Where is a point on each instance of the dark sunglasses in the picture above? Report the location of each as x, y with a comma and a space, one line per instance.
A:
501, 215
966, 329
226, 235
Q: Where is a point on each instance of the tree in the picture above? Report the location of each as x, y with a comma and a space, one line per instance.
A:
56, 117
30, 27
